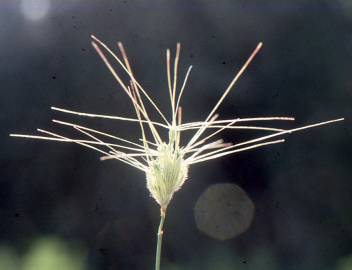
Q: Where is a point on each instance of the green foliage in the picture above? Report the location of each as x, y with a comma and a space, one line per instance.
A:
345, 263
46, 253
8, 259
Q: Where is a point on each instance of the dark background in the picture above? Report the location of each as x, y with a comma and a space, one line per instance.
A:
100, 213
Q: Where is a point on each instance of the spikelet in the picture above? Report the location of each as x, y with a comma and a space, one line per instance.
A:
166, 174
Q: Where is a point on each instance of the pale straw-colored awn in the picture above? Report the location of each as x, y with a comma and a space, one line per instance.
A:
166, 162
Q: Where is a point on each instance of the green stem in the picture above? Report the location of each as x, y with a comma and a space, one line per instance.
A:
160, 239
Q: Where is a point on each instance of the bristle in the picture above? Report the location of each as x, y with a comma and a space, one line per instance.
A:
273, 135
202, 159
131, 76
106, 116
228, 89
182, 88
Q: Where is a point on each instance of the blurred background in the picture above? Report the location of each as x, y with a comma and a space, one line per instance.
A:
286, 207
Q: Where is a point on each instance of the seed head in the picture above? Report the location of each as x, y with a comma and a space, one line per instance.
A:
165, 162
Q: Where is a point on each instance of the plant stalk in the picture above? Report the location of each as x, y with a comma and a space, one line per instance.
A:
159, 239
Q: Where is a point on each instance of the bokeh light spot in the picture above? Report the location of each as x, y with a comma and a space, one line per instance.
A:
35, 10
223, 211
8, 259
51, 253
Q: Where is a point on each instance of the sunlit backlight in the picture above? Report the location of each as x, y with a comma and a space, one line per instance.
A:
35, 10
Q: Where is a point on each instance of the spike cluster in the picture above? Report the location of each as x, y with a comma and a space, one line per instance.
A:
164, 161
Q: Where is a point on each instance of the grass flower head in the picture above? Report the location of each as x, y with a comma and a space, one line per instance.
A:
165, 161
